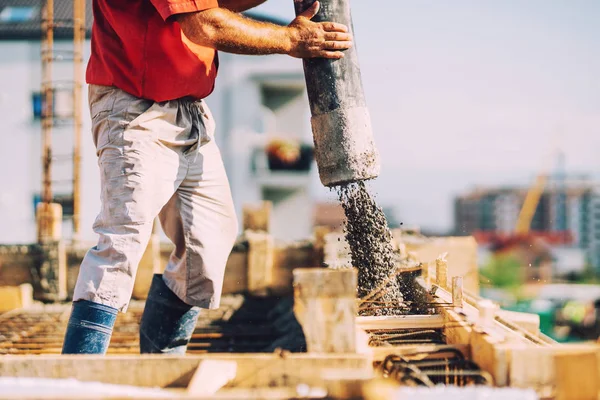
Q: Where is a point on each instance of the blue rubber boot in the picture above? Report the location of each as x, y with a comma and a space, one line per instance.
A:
167, 323
89, 329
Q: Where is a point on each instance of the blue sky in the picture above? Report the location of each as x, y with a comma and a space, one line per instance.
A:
468, 93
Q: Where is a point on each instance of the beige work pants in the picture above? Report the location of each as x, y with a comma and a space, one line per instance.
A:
157, 159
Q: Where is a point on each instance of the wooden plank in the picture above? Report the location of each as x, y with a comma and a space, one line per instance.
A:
346, 384
362, 342
456, 329
319, 243
15, 270
462, 255
492, 355
527, 321
236, 272
441, 271
172, 394
257, 217
280, 393
533, 368
457, 292
325, 305
261, 258
577, 373
401, 322
253, 370
285, 259
49, 222
14, 297
380, 353
211, 376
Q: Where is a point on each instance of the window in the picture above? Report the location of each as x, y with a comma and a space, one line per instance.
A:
17, 14
36, 100
274, 98
62, 103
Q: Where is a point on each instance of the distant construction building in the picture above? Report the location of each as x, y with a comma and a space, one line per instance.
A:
568, 214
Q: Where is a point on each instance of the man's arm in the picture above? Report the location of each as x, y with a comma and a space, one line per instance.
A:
239, 5
229, 32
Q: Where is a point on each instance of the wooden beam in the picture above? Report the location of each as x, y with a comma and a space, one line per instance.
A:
236, 272
127, 393
261, 258
380, 353
325, 305
211, 376
533, 368
529, 322
319, 243
345, 384
577, 374
253, 370
462, 255
492, 354
285, 259
457, 292
257, 218
14, 297
441, 271
435, 321
49, 222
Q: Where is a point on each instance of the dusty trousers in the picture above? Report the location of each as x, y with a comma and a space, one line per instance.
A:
157, 159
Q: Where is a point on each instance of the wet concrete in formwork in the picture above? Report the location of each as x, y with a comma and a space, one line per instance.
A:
372, 253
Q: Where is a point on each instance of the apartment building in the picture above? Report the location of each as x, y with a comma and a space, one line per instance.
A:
567, 214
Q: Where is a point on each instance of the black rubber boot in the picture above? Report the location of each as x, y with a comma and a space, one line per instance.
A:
89, 329
167, 323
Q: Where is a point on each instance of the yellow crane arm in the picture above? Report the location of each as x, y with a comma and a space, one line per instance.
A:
530, 205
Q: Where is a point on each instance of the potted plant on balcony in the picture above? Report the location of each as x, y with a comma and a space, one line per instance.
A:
289, 155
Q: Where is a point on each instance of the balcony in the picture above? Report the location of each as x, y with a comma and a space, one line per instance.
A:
282, 163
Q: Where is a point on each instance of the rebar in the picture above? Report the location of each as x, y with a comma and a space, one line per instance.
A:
431, 369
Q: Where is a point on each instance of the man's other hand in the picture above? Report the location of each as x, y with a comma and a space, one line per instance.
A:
317, 39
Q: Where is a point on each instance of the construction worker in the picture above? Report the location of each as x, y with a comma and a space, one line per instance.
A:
152, 64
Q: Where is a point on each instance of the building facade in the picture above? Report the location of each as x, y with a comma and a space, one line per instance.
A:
568, 214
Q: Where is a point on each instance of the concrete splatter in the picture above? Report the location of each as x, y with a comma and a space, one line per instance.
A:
371, 250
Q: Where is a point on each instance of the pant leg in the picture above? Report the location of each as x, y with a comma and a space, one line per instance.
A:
140, 146
200, 218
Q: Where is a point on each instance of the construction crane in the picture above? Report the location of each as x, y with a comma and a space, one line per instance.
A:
534, 194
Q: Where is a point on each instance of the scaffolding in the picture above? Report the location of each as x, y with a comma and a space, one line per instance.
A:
49, 117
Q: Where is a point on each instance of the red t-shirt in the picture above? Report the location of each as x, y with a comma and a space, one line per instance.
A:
139, 49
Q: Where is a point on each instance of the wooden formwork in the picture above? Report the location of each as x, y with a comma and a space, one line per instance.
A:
512, 349
504, 349
242, 324
176, 373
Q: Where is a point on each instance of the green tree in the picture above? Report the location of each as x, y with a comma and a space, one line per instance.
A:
502, 271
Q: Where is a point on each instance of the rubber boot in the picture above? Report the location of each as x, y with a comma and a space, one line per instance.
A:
167, 323
89, 329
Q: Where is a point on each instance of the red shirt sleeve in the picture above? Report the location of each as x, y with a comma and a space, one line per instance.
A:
166, 8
